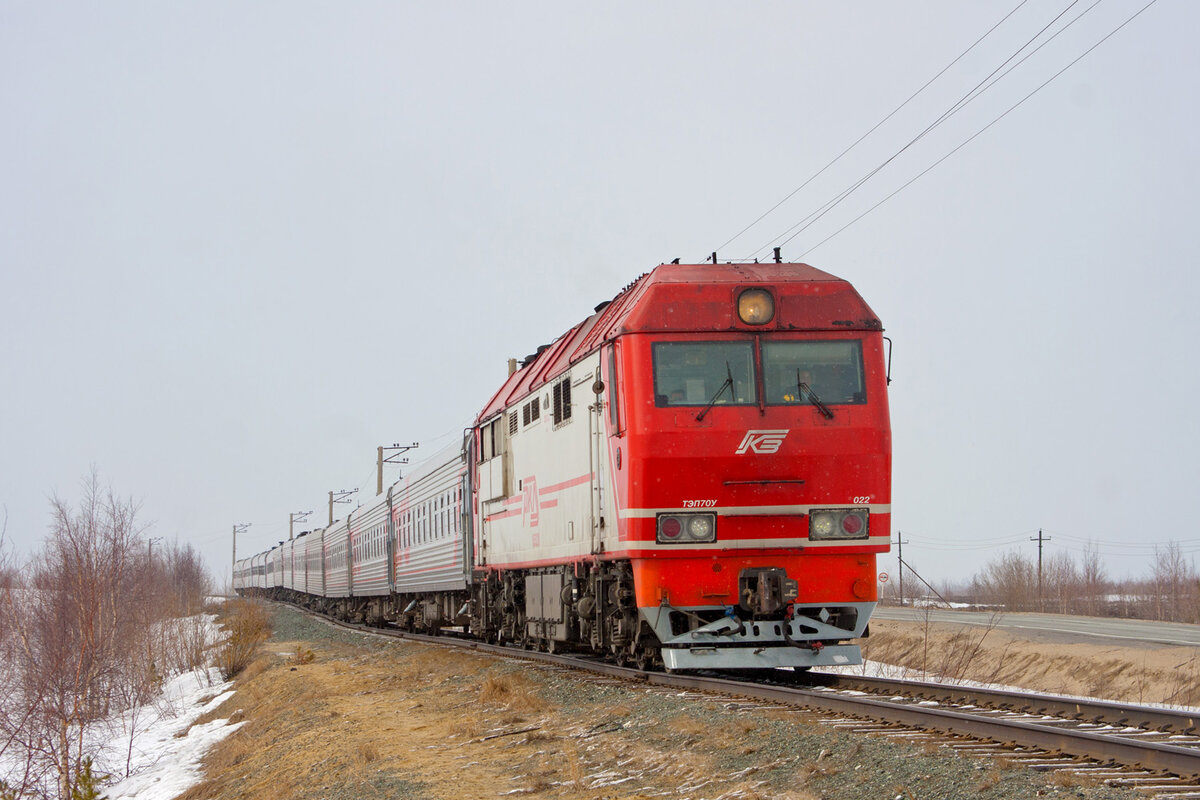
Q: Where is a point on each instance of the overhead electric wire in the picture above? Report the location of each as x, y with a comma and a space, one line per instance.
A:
1061, 541
875, 127
1123, 542
988, 82
977, 133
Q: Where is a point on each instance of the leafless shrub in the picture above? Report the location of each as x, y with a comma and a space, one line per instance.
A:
1009, 581
959, 658
247, 625
188, 581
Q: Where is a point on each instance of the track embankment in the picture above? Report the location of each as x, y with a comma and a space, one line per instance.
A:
1161, 674
336, 714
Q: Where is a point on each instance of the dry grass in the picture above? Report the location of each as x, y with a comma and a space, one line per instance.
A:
467, 727
688, 726
367, 752
990, 780
255, 668
302, 656
620, 711
511, 692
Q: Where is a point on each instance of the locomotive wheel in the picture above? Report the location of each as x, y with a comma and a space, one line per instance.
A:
646, 658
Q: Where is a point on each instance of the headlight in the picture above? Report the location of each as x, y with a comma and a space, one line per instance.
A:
686, 528
756, 307
838, 523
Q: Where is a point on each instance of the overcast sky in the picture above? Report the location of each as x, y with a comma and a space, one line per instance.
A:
243, 244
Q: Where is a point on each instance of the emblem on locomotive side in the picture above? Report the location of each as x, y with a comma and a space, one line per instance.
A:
530, 506
762, 442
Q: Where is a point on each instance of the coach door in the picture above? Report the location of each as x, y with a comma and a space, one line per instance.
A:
466, 533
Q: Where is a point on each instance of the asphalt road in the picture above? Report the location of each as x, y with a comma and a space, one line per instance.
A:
1059, 628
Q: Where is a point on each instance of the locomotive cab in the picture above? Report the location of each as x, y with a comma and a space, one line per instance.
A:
754, 466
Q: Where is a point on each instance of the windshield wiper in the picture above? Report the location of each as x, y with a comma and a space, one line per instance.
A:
727, 384
804, 387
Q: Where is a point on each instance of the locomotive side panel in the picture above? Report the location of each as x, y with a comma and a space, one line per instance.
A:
556, 502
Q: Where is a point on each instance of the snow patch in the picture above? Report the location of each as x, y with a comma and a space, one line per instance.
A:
163, 760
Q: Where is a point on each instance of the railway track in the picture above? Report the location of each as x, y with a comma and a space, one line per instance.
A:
1154, 750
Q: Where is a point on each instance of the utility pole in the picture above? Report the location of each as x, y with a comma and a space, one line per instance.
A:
340, 496
900, 558
1039, 540
239, 528
396, 451
150, 548
293, 518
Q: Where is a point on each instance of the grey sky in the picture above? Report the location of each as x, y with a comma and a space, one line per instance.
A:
244, 244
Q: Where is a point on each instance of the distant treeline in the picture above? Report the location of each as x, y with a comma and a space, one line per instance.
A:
1069, 586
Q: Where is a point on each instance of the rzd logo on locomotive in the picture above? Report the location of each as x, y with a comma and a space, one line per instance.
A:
762, 442
530, 506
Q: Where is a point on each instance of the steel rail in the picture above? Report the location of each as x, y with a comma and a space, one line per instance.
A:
1156, 756
1079, 708
1183, 761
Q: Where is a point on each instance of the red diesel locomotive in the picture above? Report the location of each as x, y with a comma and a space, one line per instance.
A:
696, 476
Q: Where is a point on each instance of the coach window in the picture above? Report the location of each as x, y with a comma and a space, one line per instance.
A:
698, 373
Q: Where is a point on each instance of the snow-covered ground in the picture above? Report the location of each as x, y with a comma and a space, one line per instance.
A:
154, 751
162, 762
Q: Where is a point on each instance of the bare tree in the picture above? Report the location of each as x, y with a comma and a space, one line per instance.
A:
78, 630
1093, 579
1061, 583
1173, 580
189, 580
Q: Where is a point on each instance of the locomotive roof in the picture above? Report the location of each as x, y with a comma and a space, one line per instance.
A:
687, 297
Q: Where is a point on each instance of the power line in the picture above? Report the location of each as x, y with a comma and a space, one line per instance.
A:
875, 127
1064, 541
1015, 106
994, 77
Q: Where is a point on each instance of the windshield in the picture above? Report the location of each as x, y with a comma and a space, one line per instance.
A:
699, 373
830, 370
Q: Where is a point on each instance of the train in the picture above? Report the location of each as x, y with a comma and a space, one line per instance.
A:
696, 476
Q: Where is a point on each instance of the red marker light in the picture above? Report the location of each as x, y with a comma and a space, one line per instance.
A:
852, 523
671, 528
